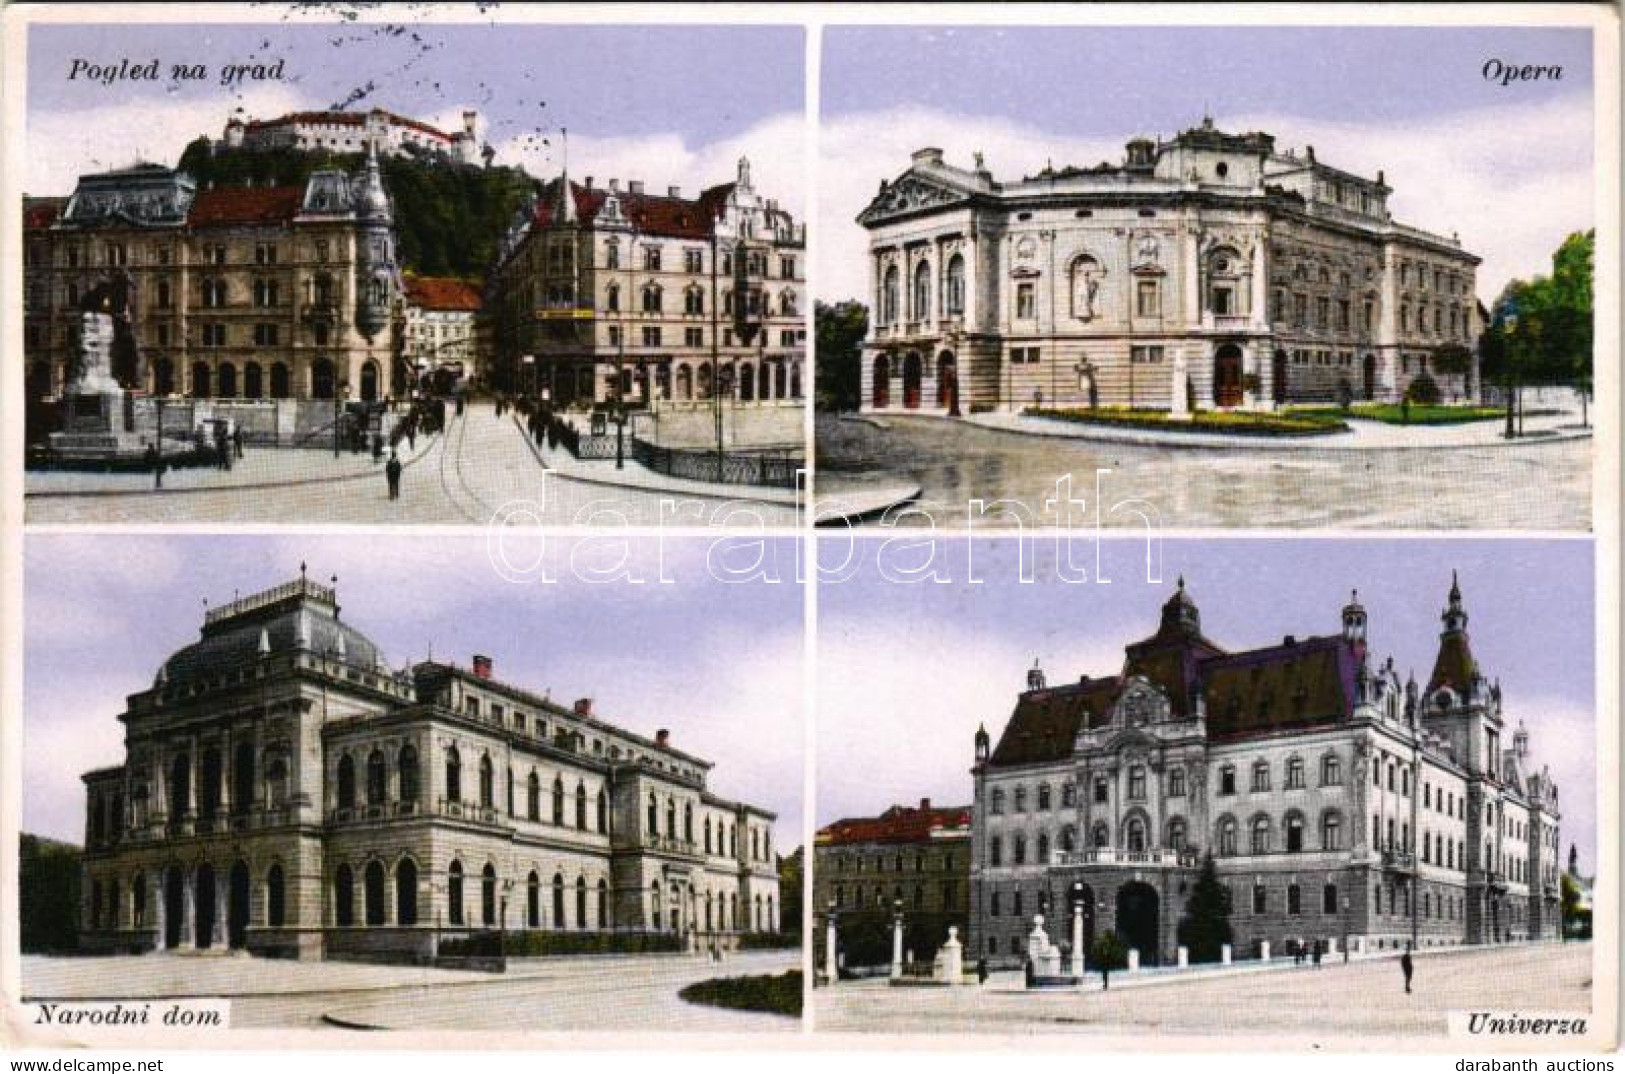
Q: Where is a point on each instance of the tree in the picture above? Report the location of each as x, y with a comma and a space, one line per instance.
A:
838, 333
790, 892
1423, 390
1576, 915
47, 894
1205, 928
1108, 953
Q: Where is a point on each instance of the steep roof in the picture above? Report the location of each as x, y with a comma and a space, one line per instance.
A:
1291, 686
899, 824
246, 205
442, 293
1046, 722
39, 213
1455, 666
649, 214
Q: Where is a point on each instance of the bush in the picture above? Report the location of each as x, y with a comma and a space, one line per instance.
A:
769, 941
1238, 422
537, 943
766, 994
1424, 389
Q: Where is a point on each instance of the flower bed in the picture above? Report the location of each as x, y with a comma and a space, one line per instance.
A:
1229, 422
764, 994
1419, 414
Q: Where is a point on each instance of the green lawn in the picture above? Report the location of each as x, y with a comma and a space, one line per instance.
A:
1420, 414
1318, 422
765, 994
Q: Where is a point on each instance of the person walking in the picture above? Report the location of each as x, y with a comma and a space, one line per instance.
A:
392, 471
981, 971
237, 440
1406, 967
1317, 954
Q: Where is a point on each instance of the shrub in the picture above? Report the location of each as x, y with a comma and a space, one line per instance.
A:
538, 942
1424, 389
767, 994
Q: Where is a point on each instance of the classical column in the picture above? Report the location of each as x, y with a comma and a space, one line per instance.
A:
1261, 278
188, 897
160, 911
1077, 936
217, 929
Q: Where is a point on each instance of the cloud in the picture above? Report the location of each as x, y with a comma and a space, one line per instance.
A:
1513, 180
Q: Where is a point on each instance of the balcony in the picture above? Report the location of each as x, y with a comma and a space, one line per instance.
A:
467, 811
664, 844
1399, 861
1114, 858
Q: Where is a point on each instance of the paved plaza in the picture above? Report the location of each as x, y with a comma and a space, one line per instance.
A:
1538, 484
481, 464
604, 994
1363, 998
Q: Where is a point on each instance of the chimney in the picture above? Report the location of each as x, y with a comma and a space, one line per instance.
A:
1289, 640
482, 666
662, 737
589, 182
674, 191
615, 184
634, 186
583, 706
925, 805
928, 155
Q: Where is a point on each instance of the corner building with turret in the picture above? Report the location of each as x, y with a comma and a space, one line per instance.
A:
1341, 805
287, 792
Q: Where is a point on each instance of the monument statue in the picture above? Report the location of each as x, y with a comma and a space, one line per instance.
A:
114, 299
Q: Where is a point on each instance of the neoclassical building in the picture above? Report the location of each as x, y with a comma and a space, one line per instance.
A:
604, 293
1207, 271
286, 791
239, 292
1340, 804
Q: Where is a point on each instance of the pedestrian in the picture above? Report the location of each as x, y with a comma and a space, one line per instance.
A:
392, 471
1317, 954
1406, 967
411, 433
981, 971
222, 449
377, 446
237, 440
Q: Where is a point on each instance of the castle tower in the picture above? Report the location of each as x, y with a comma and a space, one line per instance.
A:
1354, 623
1180, 614
1035, 677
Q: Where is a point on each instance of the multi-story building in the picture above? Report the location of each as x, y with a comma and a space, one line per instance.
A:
1206, 271
287, 791
604, 294
1339, 804
909, 861
355, 132
437, 337
239, 293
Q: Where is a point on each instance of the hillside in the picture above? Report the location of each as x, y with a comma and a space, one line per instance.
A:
449, 217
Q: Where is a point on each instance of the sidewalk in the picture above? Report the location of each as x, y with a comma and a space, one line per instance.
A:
1363, 435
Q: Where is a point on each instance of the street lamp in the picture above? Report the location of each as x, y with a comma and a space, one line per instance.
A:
338, 402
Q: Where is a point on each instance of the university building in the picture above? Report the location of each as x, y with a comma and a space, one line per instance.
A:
908, 860
611, 294
1340, 804
239, 293
285, 790
1207, 271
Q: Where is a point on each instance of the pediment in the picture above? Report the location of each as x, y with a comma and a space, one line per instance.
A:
908, 194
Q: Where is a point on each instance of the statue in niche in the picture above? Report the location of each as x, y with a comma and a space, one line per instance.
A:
1085, 287
1147, 250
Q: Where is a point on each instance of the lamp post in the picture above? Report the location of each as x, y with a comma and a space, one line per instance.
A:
1077, 929
338, 414
897, 938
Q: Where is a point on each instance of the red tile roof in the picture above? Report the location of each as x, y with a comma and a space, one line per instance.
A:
650, 214
347, 119
246, 205
899, 824
42, 212
442, 293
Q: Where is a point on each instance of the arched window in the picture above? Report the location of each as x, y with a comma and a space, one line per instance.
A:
406, 892
581, 902
374, 882
454, 893
707, 829
1227, 836
1134, 835
533, 900
274, 896
488, 789
653, 819
1294, 774
787, 303
688, 822
346, 782
1043, 848
377, 778
488, 895
454, 775
1225, 274
558, 901
651, 298
558, 800
1260, 836
888, 295
1069, 839
1100, 837
654, 905
603, 812
581, 806
920, 301
1294, 899
276, 782
953, 292
1331, 832
612, 298
1294, 833
533, 796
1176, 834
407, 767
603, 904
694, 300
1331, 770
344, 897
1328, 899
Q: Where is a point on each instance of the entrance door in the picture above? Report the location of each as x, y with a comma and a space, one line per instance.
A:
174, 906
1370, 377
947, 382
1227, 376
1278, 377
237, 907
911, 381
203, 906
1137, 919
881, 392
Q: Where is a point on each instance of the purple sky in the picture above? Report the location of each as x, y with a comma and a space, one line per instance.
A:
718, 664
906, 672
1120, 80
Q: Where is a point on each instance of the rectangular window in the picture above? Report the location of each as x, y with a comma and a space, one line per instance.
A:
1227, 780
787, 267
1101, 790
1261, 899
651, 336
265, 253
693, 337
693, 260
1148, 299
651, 258
1223, 301
1145, 355
265, 335
1025, 302
1023, 355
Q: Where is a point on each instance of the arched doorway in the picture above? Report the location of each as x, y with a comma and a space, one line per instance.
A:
1227, 376
1369, 367
912, 372
321, 379
253, 381
1278, 377
228, 381
203, 906
373, 881
948, 382
1137, 919
279, 381
880, 394
174, 906
747, 383
200, 381
237, 907
163, 376
369, 381
406, 892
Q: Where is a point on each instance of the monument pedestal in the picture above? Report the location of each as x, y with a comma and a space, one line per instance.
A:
94, 427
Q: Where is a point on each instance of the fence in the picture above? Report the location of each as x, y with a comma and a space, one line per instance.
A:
766, 469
